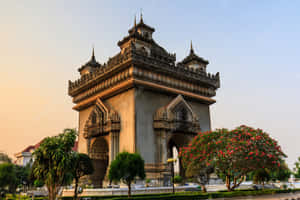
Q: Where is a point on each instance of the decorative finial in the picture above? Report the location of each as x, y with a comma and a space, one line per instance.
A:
141, 20
192, 49
93, 54
134, 20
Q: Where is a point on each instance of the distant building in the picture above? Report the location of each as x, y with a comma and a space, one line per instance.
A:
24, 157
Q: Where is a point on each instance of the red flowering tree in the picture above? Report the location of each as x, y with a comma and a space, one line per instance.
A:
233, 153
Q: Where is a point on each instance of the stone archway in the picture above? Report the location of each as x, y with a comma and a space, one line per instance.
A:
176, 141
101, 130
175, 124
99, 155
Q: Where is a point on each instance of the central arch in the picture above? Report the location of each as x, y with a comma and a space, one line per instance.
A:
101, 131
175, 124
99, 155
176, 141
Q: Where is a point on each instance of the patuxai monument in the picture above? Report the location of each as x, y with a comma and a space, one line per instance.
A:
141, 100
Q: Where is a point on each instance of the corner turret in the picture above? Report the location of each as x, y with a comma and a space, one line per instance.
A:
194, 61
90, 66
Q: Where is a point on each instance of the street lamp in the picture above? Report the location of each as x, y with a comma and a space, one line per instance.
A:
172, 160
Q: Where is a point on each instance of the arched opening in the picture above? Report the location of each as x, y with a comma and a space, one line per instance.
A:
175, 143
99, 155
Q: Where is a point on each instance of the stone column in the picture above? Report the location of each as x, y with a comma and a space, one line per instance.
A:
161, 147
88, 145
114, 145
164, 147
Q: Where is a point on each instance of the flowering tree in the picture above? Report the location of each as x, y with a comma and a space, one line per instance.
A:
233, 153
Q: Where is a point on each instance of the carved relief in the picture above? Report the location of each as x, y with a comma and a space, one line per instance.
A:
177, 116
101, 121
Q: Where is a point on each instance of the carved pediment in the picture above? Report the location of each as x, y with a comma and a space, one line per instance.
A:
101, 121
177, 116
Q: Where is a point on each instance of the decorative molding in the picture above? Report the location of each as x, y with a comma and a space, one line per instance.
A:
101, 121
177, 116
104, 76
145, 75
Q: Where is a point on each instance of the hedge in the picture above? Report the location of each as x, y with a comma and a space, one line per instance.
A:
190, 195
114, 196
193, 196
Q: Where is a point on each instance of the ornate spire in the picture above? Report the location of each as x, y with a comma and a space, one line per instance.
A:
141, 20
134, 20
93, 55
193, 57
192, 49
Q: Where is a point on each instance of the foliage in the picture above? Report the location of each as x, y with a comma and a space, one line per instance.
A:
148, 180
190, 195
199, 173
281, 173
8, 177
126, 167
4, 158
38, 183
82, 165
197, 196
297, 168
22, 175
12, 176
53, 163
261, 176
177, 179
233, 153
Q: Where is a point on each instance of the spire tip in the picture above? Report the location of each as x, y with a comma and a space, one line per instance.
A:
192, 49
141, 20
93, 53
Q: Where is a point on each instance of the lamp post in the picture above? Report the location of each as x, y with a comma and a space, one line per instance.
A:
172, 160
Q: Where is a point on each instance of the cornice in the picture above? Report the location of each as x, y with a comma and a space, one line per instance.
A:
132, 57
132, 82
145, 75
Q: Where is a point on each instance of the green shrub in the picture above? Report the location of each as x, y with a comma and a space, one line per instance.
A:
177, 179
191, 195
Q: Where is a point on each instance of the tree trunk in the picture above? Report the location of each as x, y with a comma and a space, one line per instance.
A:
129, 189
51, 192
203, 188
76, 189
228, 183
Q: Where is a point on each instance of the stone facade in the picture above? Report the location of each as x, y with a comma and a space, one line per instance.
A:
141, 101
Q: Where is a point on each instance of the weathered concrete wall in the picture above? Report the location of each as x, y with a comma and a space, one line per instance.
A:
136, 108
146, 104
203, 113
124, 104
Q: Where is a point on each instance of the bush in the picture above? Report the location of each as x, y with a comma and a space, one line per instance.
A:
177, 179
191, 195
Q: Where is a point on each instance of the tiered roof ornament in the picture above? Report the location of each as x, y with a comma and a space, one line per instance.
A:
90, 66
194, 61
139, 31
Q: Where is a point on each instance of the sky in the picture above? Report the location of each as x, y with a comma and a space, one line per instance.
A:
254, 45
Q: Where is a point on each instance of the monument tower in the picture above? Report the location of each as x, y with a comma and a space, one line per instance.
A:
142, 101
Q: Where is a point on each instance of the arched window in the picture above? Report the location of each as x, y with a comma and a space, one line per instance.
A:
181, 114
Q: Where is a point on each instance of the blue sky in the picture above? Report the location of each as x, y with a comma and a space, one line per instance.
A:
253, 44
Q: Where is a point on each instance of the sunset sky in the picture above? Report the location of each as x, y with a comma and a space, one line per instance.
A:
255, 45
